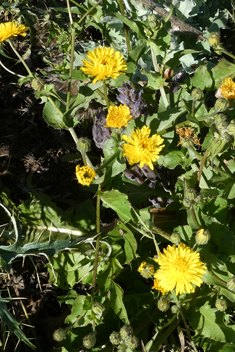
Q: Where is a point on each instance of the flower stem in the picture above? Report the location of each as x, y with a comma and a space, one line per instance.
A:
74, 135
105, 93
121, 6
71, 57
227, 53
97, 243
192, 211
105, 163
183, 318
20, 58
13, 73
162, 90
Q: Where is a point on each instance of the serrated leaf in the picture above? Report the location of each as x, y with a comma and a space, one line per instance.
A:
12, 324
211, 325
119, 203
202, 78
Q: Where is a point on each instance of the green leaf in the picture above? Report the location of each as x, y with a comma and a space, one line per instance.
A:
116, 302
202, 78
119, 203
53, 115
135, 26
211, 325
77, 312
221, 71
174, 158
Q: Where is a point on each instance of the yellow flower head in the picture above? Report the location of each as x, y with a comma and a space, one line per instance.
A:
180, 267
118, 116
142, 148
146, 270
11, 29
85, 175
157, 286
227, 88
104, 63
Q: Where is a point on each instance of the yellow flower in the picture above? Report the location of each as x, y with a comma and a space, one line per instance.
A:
142, 148
104, 63
227, 88
157, 286
118, 116
146, 270
85, 175
180, 267
11, 29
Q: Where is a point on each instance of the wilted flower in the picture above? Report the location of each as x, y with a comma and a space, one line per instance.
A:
133, 99
118, 116
85, 175
104, 63
146, 270
142, 148
100, 133
11, 29
228, 88
180, 269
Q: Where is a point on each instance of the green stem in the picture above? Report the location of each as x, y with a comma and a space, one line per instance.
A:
183, 318
74, 135
105, 163
97, 243
122, 10
100, 93
87, 13
162, 233
13, 73
21, 59
105, 93
162, 90
227, 53
193, 108
71, 57
192, 211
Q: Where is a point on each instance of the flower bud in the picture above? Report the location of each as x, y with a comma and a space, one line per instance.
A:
231, 284
59, 334
225, 137
174, 309
221, 304
175, 238
214, 39
132, 342
37, 84
84, 145
198, 198
163, 304
125, 332
202, 236
187, 203
97, 309
115, 338
190, 194
146, 270
221, 122
231, 128
197, 94
221, 105
89, 340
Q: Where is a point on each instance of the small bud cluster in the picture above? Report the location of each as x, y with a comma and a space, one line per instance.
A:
124, 338
191, 197
197, 94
